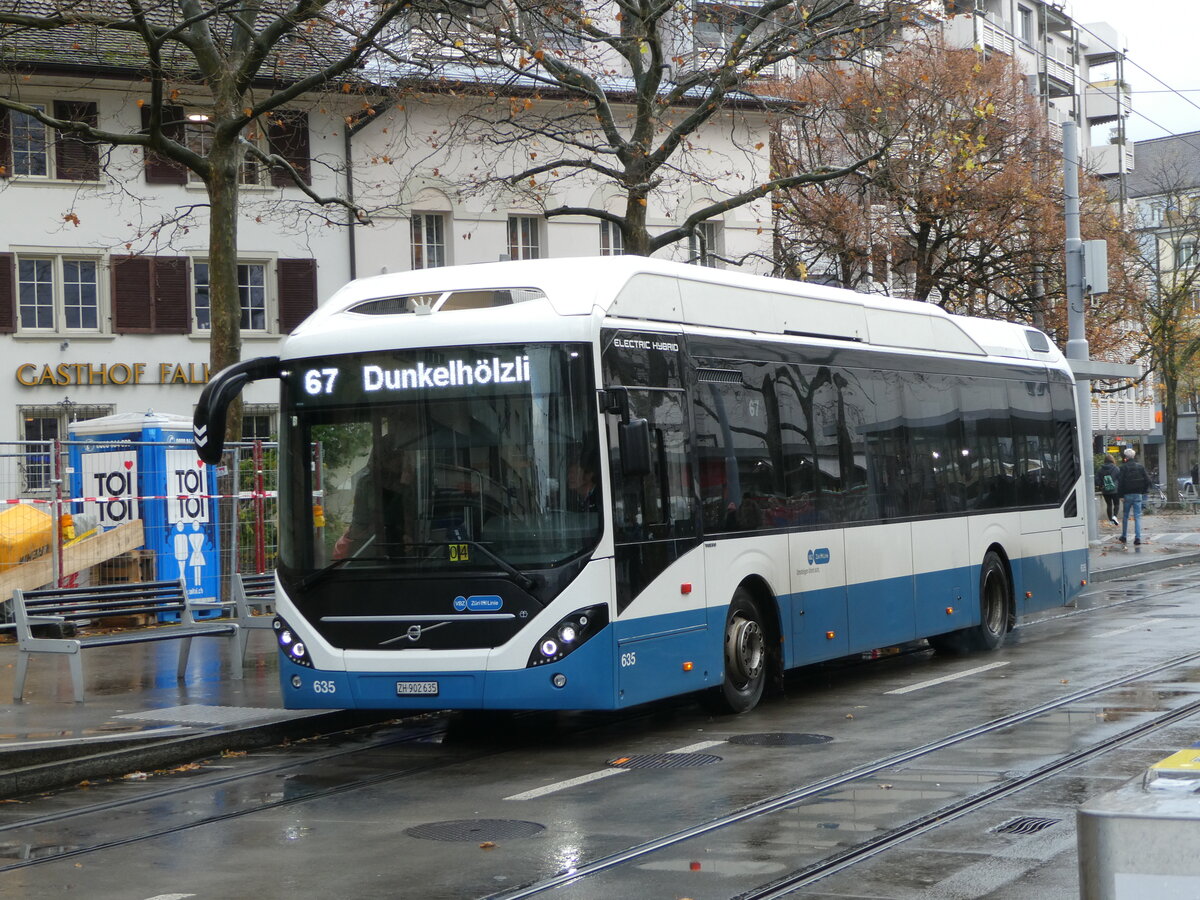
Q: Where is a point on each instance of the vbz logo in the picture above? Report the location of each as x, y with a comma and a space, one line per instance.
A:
818, 557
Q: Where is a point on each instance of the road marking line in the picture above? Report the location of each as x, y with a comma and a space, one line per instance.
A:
569, 783
1133, 627
696, 748
945, 678
603, 773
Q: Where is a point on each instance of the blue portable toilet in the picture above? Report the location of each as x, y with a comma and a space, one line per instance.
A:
143, 465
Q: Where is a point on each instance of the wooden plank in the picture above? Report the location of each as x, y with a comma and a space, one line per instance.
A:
76, 557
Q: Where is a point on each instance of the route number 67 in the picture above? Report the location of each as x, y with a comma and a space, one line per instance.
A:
320, 381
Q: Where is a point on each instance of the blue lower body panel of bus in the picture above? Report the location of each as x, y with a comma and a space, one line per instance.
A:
588, 674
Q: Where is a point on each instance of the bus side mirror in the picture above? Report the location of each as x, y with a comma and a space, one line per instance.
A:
634, 439
208, 422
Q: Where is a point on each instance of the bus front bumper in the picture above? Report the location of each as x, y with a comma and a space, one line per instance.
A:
582, 680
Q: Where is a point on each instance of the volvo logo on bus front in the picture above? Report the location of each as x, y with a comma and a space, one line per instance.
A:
818, 557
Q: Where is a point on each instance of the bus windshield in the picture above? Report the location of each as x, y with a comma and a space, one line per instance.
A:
467, 459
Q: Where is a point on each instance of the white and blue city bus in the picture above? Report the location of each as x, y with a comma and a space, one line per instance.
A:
592, 483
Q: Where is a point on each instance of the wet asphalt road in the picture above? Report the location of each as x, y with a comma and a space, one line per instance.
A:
454, 807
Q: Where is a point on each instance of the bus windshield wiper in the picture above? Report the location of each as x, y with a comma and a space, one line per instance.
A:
523, 580
313, 577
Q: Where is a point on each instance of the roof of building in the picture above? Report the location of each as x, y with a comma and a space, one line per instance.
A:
95, 36
1165, 164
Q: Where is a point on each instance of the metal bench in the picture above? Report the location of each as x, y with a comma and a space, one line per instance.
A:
254, 603
57, 609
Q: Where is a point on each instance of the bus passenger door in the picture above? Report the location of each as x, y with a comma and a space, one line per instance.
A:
660, 622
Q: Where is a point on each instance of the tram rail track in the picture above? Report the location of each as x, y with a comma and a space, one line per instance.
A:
817, 788
778, 887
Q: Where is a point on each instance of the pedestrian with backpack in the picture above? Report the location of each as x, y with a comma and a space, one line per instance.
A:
1133, 484
1108, 477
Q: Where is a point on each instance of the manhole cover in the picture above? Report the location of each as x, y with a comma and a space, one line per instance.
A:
779, 739
1025, 825
664, 761
476, 830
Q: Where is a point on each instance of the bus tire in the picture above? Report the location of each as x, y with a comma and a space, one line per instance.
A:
745, 658
995, 601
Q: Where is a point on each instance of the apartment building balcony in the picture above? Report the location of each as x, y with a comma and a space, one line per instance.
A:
1055, 119
1110, 159
1118, 415
1055, 17
1057, 71
1101, 43
995, 35
1107, 101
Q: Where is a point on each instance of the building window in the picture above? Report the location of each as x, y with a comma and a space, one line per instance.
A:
58, 294
704, 244
1025, 24
557, 25
30, 145
40, 427
33, 150
428, 240
716, 25
523, 238
258, 422
252, 295
1185, 253
198, 135
612, 241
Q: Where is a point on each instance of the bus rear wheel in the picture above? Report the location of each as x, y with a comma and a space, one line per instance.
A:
995, 601
745, 658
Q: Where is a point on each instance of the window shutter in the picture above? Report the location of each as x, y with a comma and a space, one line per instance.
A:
297, 292
5, 146
160, 169
132, 297
8, 313
76, 158
151, 295
287, 136
172, 301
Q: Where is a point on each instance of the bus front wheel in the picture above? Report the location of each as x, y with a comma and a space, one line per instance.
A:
745, 657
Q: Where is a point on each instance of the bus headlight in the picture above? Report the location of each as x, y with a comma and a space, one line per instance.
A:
289, 646
567, 634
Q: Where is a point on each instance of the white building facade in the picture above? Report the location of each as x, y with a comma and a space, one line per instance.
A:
103, 269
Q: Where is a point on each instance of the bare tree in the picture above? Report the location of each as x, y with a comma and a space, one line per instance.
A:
247, 60
959, 204
1168, 218
626, 96
965, 206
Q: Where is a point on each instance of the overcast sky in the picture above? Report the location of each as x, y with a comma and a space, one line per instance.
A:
1162, 40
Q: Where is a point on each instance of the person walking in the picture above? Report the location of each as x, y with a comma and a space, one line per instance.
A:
1107, 483
1132, 485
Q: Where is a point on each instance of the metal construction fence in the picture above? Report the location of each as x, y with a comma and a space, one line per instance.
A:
110, 510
